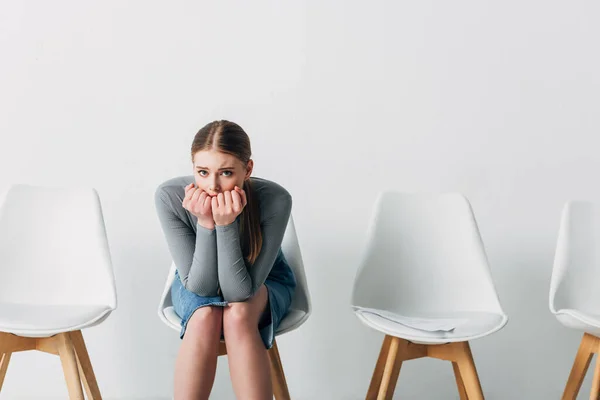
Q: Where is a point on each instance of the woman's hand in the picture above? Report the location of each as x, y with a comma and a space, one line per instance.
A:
198, 203
228, 205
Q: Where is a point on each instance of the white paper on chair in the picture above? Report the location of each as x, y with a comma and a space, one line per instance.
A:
424, 324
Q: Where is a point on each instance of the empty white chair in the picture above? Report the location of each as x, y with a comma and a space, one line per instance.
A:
424, 281
574, 295
56, 277
299, 311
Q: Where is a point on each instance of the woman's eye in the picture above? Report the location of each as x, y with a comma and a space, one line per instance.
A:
227, 173
202, 172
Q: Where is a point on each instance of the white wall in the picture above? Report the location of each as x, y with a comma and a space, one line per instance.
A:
498, 100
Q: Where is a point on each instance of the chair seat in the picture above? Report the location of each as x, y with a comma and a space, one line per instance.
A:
36, 320
580, 320
291, 321
476, 325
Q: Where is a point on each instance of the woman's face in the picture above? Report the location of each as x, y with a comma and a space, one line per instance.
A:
216, 172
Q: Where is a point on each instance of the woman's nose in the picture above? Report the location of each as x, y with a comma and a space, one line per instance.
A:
214, 187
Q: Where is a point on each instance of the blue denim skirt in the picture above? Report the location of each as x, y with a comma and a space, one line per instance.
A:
281, 284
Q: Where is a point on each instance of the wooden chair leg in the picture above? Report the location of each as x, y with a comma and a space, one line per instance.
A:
69, 365
391, 371
4, 360
468, 372
84, 364
280, 388
580, 366
222, 349
595, 393
394, 351
459, 382
379, 367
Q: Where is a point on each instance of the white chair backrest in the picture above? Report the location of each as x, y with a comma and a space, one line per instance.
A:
424, 254
291, 251
53, 248
576, 270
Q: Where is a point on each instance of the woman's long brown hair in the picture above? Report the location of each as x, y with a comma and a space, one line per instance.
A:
228, 137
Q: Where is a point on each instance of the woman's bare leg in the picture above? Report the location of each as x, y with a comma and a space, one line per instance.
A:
196, 362
248, 359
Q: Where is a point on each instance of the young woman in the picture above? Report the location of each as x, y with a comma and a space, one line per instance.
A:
224, 230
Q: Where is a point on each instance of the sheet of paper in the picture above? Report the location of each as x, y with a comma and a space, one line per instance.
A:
424, 324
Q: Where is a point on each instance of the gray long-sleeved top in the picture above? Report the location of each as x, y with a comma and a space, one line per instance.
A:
207, 259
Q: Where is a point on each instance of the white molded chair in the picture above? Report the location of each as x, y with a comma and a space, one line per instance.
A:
574, 294
56, 277
424, 259
299, 311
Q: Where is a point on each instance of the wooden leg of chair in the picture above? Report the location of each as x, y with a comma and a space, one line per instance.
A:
222, 349
391, 370
280, 388
468, 372
379, 367
595, 393
459, 382
69, 365
4, 360
580, 366
86, 371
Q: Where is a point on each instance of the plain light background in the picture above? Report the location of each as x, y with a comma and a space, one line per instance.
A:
341, 99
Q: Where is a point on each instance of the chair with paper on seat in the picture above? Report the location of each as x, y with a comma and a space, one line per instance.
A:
299, 312
424, 281
574, 295
56, 277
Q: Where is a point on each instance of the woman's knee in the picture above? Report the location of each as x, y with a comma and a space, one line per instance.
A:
243, 316
206, 319
237, 316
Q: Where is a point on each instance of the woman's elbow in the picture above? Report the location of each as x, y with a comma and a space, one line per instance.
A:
239, 296
200, 290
